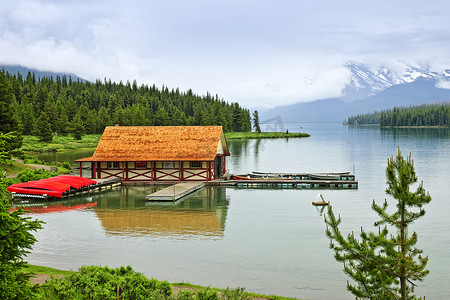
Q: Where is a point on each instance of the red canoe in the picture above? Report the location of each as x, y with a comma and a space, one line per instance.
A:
54, 186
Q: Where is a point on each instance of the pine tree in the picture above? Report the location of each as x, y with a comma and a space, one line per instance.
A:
77, 127
16, 240
385, 266
62, 123
43, 128
256, 121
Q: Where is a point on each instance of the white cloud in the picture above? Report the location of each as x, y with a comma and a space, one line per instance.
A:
444, 84
260, 53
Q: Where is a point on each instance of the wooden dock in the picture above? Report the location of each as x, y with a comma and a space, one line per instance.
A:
175, 192
291, 184
101, 185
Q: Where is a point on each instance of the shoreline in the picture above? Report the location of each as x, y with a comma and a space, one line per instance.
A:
43, 274
264, 135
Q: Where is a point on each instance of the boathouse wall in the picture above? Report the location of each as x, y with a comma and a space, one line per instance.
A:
158, 153
155, 171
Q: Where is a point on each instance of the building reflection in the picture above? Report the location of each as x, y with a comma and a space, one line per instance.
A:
201, 215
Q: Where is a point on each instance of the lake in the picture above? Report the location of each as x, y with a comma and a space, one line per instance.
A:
269, 241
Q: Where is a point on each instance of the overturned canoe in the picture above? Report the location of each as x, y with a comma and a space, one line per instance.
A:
52, 187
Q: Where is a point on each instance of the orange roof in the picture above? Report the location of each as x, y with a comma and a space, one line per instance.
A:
160, 143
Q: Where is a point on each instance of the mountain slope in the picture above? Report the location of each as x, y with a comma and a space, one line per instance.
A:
368, 90
420, 91
14, 69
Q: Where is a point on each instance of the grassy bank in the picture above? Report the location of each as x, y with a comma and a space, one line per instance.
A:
60, 143
32, 144
189, 291
264, 135
47, 271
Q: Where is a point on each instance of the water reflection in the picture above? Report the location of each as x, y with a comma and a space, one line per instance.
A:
48, 207
200, 215
418, 133
66, 156
406, 133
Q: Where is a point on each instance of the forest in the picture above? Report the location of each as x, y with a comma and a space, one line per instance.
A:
47, 106
437, 115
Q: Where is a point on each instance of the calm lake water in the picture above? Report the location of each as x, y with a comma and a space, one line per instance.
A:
269, 241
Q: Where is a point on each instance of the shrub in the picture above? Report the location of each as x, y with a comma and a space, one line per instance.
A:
237, 293
31, 159
94, 282
16, 241
67, 166
35, 174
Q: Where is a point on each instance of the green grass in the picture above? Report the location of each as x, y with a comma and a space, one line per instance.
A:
57, 272
11, 167
252, 295
47, 270
59, 143
264, 135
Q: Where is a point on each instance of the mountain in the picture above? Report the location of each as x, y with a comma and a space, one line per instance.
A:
368, 91
14, 69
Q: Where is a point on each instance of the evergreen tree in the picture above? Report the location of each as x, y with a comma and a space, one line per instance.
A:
77, 127
104, 119
110, 103
16, 240
28, 120
43, 128
8, 122
384, 266
199, 116
161, 117
256, 121
62, 123
237, 117
9, 115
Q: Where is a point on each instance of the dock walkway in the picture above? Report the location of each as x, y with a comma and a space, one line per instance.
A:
291, 184
175, 192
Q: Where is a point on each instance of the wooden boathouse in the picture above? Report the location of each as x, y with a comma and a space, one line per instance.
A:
159, 153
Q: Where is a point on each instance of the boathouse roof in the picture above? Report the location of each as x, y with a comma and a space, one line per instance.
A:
160, 143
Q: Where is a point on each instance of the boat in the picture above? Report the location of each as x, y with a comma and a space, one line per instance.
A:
265, 176
243, 177
320, 201
253, 177
316, 176
324, 176
57, 187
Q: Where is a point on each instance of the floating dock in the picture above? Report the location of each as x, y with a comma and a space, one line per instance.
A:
43, 191
291, 184
343, 180
175, 192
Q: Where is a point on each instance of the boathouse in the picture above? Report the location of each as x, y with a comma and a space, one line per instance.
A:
159, 153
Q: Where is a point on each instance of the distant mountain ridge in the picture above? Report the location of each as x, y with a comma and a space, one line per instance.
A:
367, 91
365, 82
14, 69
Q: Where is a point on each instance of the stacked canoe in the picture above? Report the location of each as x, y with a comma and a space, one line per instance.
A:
58, 186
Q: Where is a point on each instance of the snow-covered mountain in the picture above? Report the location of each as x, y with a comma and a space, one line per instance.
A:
365, 82
370, 90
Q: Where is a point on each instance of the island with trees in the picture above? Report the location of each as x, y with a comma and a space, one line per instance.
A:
426, 115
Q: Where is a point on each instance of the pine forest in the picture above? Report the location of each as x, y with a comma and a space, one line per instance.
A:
436, 115
32, 105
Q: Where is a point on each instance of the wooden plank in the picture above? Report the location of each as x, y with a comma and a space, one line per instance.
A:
175, 192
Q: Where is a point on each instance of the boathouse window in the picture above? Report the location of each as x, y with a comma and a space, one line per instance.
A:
168, 165
196, 164
141, 165
113, 164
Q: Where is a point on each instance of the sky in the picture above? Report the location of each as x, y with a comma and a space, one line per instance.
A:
260, 53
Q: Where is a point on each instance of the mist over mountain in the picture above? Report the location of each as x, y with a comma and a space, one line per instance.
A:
369, 90
14, 69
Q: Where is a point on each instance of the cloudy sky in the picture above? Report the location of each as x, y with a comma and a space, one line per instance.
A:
257, 52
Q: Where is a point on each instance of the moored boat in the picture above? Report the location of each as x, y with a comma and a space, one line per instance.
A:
57, 186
